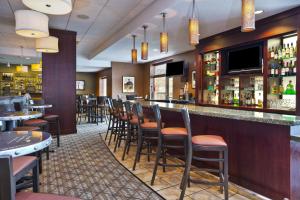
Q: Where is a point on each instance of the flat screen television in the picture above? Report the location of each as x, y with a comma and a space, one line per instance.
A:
175, 68
244, 60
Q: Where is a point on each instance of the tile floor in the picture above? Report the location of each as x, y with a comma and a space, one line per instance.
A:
167, 184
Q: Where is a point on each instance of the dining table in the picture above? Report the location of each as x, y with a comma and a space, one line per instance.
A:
11, 118
19, 143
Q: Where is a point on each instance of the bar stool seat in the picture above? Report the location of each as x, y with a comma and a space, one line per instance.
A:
27, 128
149, 125
35, 122
49, 117
208, 140
39, 196
135, 120
20, 163
174, 131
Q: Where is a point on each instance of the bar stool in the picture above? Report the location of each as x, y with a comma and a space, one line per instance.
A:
122, 125
54, 120
207, 143
27, 128
147, 133
111, 115
115, 128
168, 134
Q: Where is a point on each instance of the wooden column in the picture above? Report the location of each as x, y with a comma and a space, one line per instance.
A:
59, 78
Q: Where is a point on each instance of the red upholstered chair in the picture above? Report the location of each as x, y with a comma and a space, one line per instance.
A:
147, 134
207, 143
21, 166
8, 187
178, 134
36, 122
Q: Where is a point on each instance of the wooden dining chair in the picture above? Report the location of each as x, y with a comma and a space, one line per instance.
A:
8, 186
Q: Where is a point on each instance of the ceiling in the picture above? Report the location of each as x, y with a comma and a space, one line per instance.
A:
105, 35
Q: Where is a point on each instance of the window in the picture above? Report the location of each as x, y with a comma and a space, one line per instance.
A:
103, 86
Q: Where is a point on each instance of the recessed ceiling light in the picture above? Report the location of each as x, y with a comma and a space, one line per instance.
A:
257, 12
155, 50
27, 58
83, 16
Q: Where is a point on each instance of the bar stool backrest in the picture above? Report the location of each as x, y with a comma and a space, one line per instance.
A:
128, 110
101, 100
157, 116
187, 123
7, 186
138, 109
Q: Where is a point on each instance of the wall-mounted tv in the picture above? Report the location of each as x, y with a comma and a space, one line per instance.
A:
244, 59
175, 68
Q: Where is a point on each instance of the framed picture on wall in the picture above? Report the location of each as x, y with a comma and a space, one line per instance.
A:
80, 85
128, 84
193, 79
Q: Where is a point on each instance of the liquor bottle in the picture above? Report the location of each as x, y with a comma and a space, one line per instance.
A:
287, 51
276, 54
274, 89
279, 53
235, 100
283, 52
290, 88
272, 70
291, 51
272, 52
259, 101
286, 68
295, 68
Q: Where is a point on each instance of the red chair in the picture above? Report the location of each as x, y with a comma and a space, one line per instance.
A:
8, 186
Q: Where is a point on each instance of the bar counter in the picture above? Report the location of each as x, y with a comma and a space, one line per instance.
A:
264, 148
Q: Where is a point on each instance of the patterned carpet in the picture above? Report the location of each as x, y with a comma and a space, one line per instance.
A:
84, 167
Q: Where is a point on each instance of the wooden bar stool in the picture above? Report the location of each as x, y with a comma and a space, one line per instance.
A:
122, 125
54, 120
115, 121
168, 134
111, 115
207, 143
147, 134
27, 128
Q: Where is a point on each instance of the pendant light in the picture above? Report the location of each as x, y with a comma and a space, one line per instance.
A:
31, 24
21, 68
248, 15
164, 36
47, 45
53, 7
193, 27
133, 51
144, 46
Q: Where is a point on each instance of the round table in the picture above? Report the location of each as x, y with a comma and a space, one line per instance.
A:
19, 143
12, 117
39, 106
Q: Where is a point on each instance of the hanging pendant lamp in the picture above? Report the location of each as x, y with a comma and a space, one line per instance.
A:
133, 51
53, 7
47, 45
193, 27
31, 24
248, 15
164, 36
144, 46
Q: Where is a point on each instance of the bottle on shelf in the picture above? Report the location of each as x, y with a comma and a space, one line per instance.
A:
290, 88
276, 53
283, 51
272, 52
259, 101
279, 53
291, 51
235, 100
295, 68
287, 51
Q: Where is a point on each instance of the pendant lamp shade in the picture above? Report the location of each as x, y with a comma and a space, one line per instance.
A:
53, 7
193, 27
248, 15
144, 46
47, 45
31, 24
164, 38
134, 51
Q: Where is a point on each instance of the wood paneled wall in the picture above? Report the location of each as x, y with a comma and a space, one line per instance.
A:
59, 78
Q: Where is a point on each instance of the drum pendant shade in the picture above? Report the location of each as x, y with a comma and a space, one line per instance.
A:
31, 24
53, 7
47, 45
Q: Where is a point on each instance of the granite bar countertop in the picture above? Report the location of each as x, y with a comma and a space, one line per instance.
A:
269, 118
